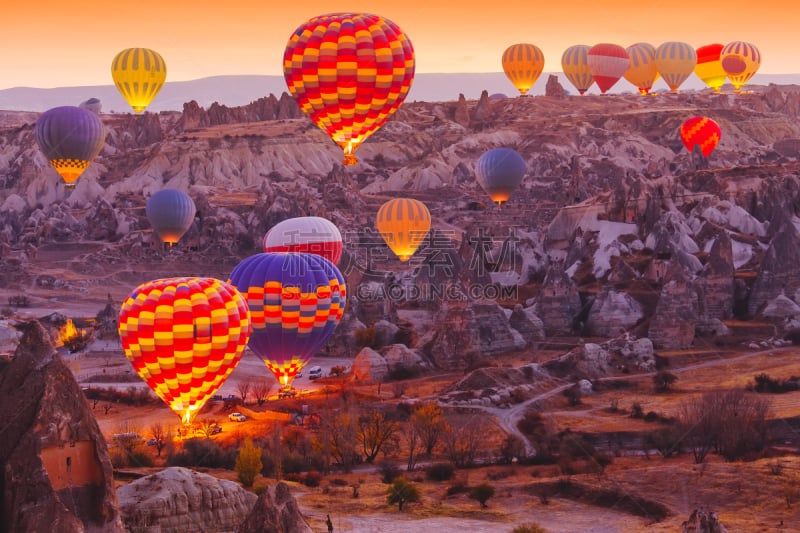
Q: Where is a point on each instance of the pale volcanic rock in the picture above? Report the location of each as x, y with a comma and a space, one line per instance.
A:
275, 511
778, 272
9, 337
558, 302
590, 361
529, 326
717, 280
178, 499
613, 312
781, 307
673, 324
385, 332
461, 112
729, 215
57, 474
369, 366
400, 356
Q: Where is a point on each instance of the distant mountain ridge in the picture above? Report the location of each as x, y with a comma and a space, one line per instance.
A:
240, 90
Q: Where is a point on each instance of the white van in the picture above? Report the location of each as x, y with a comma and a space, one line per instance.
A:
315, 372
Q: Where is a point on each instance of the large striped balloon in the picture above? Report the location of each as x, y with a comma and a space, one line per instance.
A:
138, 73
500, 171
607, 63
523, 64
642, 72
296, 300
70, 138
701, 131
575, 64
403, 223
675, 62
314, 235
184, 336
349, 72
709, 66
171, 213
741, 61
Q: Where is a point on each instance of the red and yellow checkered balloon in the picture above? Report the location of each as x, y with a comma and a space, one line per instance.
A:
349, 72
701, 131
184, 336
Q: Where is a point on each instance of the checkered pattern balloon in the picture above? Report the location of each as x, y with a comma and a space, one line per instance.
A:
349, 72
296, 300
184, 336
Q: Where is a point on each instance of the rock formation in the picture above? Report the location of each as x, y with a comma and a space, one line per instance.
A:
369, 367
56, 471
674, 321
275, 511
178, 499
554, 88
613, 313
778, 271
558, 302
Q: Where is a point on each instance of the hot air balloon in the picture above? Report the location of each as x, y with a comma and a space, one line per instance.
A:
523, 64
403, 223
314, 235
500, 171
296, 300
138, 73
642, 72
607, 63
171, 213
709, 66
740, 61
675, 62
70, 138
349, 72
701, 131
184, 336
575, 64
92, 104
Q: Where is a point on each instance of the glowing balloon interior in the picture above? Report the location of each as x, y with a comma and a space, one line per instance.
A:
403, 224
171, 213
500, 171
349, 72
709, 66
184, 336
523, 64
138, 73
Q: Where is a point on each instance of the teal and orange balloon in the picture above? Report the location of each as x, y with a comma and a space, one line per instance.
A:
184, 336
296, 300
349, 72
701, 131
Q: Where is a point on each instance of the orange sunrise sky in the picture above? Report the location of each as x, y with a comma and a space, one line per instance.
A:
58, 43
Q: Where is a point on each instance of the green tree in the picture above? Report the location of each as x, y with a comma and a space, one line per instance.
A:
482, 493
248, 463
663, 381
401, 491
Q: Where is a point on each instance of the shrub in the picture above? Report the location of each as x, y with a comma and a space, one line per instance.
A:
401, 491
440, 472
482, 493
248, 463
203, 452
636, 410
459, 487
339, 482
312, 479
388, 471
366, 337
664, 380
529, 528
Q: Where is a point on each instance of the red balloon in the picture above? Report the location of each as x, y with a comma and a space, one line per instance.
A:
607, 63
701, 131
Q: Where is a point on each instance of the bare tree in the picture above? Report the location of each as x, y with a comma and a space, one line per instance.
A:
244, 388
376, 432
106, 408
339, 437
261, 391
462, 439
207, 427
412, 443
429, 422
159, 435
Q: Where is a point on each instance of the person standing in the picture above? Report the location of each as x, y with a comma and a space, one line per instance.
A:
329, 524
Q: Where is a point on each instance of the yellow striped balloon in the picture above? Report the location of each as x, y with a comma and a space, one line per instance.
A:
523, 64
642, 72
740, 60
675, 62
403, 223
575, 64
138, 73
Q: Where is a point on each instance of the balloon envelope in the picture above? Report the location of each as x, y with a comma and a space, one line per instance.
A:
607, 63
741, 61
171, 213
575, 64
184, 336
701, 131
138, 73
314, 235
675, 62
403, 223
349, 72
296, 301
500, 171
709, 66
523, 64
70, 138
642, 72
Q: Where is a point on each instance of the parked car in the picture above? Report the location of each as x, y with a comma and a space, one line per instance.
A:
314, 372
237, 417
216, 429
